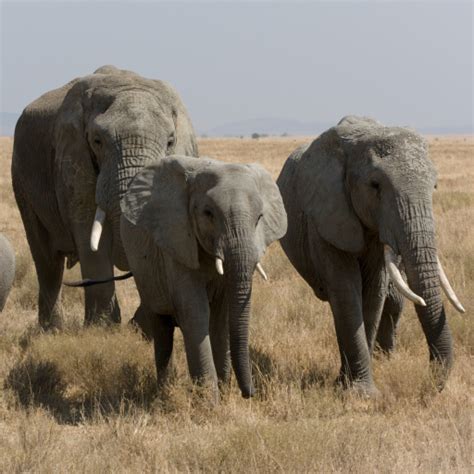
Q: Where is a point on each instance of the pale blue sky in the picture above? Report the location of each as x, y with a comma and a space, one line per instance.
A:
402, 63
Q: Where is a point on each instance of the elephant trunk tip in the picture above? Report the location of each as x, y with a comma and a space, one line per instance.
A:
248, 392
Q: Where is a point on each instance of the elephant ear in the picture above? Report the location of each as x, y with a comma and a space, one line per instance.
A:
73, 157
158, 201
273, 223
321, 190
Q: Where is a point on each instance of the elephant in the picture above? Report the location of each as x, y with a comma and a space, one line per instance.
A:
76, 150
194, 232
7, 269
359, 199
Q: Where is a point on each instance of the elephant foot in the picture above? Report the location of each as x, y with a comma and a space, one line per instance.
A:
53, 324
361, 388
107, 317
101, 320
364, 390
206, 393
385, 346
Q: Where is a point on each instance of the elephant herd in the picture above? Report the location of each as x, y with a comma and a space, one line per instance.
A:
106, 172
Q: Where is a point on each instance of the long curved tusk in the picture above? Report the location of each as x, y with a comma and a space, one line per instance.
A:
396, 276
97, 228
447, 288
219, 266
261, 271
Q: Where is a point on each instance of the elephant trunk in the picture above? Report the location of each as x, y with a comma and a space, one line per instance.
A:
419, 255
239, 266
129, 157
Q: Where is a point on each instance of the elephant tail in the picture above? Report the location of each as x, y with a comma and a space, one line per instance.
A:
92, 282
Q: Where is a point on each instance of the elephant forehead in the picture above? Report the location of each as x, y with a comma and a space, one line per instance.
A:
235, 193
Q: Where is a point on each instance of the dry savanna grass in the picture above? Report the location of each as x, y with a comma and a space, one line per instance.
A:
85, 399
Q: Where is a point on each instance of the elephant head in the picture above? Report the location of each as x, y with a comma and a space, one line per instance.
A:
375, 180
111, 124
205, 213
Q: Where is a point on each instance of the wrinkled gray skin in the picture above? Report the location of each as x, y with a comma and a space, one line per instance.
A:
358, 186
178, 216
7, 269
77, 147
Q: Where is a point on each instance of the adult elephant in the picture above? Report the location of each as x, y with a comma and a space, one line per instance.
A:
358, 198
7, 269
194, 231
76, 150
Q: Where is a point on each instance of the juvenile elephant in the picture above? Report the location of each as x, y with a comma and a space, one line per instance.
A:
7, 269
76, 149
358, 197
194, 231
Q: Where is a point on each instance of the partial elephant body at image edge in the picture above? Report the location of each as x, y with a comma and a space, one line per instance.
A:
7, 269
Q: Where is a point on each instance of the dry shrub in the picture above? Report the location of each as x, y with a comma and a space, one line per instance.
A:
94, 367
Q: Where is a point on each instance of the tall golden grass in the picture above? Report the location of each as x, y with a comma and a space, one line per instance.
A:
85, 400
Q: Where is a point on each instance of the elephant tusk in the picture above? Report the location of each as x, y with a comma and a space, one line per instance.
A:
261, 271
219, 266
97, 228
447, 288
396, 276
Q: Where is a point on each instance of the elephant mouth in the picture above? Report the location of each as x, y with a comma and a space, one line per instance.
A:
391, 260
219, 263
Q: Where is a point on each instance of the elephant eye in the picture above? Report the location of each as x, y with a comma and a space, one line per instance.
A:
171, 141
97, 141
375, 185
208, 213
258, 219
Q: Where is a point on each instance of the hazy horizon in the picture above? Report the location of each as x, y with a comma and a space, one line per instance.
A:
233, 62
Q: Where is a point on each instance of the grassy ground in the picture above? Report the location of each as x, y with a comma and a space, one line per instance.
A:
84, 400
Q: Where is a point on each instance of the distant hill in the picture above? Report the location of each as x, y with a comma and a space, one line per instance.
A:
280, 126
7, 123
266, 125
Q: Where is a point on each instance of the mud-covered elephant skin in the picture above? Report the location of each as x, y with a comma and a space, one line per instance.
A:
194, 231
7, 269
359, 199
76, 149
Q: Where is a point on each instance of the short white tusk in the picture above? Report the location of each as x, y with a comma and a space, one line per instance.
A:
96, 232
447, 288
219, 266
396, 276
261, 271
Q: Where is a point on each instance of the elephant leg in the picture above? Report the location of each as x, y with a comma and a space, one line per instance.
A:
192, 314
374, 288
344, 284
143, 320
392, 310
163, 332
219, 331
101, 300
354, 351
49, 269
